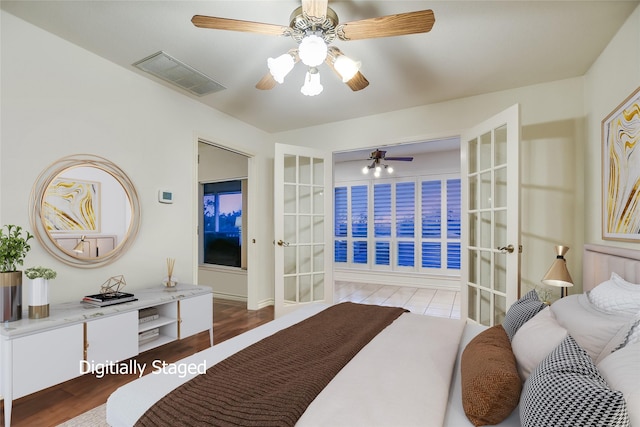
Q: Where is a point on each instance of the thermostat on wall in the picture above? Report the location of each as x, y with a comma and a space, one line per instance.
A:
165, 196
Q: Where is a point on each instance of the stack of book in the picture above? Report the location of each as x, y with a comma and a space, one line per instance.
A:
103, 300
148, 314
147, 336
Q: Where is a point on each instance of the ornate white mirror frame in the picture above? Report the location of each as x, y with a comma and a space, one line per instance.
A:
75, 227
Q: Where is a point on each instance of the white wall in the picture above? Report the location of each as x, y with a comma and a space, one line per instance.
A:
58, 99
612, 78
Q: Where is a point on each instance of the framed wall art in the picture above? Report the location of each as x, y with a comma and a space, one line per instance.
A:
72, 205
621, 171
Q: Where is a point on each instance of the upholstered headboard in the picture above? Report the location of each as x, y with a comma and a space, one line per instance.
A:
599, 261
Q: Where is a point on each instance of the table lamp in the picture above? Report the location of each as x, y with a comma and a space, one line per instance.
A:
558, 274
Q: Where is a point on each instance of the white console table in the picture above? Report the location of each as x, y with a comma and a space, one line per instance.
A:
39, 353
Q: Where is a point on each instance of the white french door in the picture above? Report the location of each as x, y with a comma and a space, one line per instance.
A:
490, 255
303, 220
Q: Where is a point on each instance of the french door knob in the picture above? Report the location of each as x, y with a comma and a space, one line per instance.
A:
506, 249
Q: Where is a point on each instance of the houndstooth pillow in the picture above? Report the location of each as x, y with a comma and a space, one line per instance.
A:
566, 389
521, 311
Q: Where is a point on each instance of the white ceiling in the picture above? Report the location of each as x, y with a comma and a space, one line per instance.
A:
475, 47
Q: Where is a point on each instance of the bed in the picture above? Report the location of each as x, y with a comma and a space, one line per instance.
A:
571, 363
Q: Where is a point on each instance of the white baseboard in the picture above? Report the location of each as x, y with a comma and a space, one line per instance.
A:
399, 279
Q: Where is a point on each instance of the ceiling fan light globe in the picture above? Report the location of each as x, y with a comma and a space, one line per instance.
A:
376, 174
365, 170
378, 169
312, 86
281, 66
346, 67
312, 50
390, 170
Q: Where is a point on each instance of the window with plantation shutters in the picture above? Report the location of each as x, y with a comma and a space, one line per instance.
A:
399, 224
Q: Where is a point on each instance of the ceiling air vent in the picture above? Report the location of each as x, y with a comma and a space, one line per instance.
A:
175, 72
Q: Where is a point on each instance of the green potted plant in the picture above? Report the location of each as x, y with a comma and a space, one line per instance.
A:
39, 290
14, 246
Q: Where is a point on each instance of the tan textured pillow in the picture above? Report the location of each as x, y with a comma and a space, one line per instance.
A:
490, 382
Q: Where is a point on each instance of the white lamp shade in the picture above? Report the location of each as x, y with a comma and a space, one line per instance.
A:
312, 86
346, 67
558, 274
312, 50
281, 66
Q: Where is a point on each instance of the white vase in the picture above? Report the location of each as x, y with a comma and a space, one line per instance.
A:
38, 298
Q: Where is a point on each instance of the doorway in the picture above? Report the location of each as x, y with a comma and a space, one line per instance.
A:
223, 262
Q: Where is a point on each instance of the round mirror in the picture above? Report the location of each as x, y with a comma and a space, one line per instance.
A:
84, 210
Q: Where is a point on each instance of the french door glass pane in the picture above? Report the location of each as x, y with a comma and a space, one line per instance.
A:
305, 288
318, 200
304, 199
500, 309
473, 192
500, 135
304, 259
318, 171
318, 229
290, 229
485, 229
304, 170
318, 258
290, 199
500, 190
485, 307
304, 229
318, 287
485, 190
290, 169
290, 289
472, 154
485, 151
500, 272
290, 261
473, 229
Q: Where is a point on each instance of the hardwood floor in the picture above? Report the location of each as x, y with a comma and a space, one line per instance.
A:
62, 402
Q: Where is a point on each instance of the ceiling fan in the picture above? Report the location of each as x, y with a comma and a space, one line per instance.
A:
377, 158
314, 26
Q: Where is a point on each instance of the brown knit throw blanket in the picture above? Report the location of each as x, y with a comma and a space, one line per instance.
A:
271, 382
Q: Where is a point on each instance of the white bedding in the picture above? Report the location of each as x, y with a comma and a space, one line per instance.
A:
403, 377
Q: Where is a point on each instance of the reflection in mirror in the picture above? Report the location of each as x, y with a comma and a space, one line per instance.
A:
85, 210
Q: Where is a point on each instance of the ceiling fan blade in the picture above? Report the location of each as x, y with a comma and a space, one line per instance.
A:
387, 26
215, 23
266, 83
401, 159
315, 8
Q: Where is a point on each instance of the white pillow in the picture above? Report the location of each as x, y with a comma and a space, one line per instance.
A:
616, 296
597, 332
535, 340
621, 370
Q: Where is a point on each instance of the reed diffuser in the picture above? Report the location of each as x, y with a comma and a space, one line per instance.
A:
170, 283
